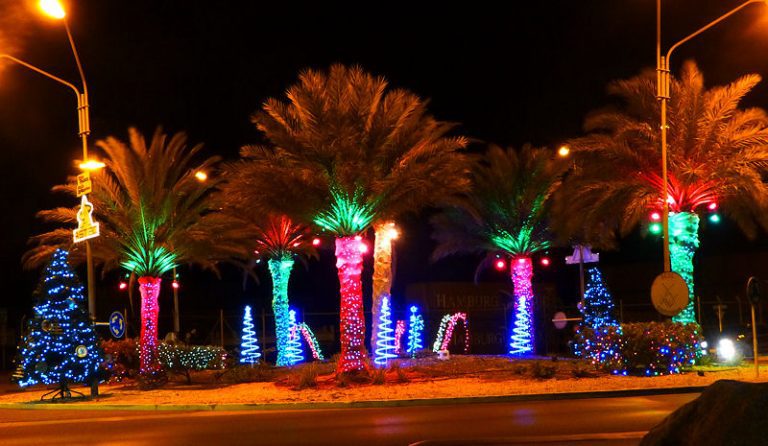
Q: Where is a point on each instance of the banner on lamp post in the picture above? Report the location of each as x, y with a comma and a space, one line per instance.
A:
86, 227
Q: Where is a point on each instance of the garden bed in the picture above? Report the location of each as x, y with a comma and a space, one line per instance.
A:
461, 376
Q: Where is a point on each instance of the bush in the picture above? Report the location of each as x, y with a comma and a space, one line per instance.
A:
304, 377
238, 373
121, 359
378, 376
519, 369
182, 359
401, 375
642, 348
543, 370
582, 369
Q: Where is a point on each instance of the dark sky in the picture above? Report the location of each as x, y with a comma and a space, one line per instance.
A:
510, 73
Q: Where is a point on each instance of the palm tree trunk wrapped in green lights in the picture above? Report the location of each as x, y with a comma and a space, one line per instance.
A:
280, 270
505, 216
716, 157
154, 215
683, 242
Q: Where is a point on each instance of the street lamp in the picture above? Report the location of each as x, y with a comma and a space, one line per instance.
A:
54, 9
662, 94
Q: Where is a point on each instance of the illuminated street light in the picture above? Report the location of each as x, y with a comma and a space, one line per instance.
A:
91, 165
52, 8
201, 176
563, 151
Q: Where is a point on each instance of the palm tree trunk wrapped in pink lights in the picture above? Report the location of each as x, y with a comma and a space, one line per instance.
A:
149, 287
506, 216
523, 331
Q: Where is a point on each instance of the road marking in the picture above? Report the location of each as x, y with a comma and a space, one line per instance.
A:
536, 439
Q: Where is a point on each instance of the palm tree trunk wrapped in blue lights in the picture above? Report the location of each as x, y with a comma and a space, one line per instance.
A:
683, 242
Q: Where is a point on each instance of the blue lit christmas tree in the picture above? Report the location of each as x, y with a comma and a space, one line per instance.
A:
249, 349
60, 345
385, 344
293, 352
598, 308
415, 329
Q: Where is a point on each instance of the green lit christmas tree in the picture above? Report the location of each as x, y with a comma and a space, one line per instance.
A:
59, 345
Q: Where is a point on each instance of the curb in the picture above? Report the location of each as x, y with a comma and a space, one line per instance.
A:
357, 404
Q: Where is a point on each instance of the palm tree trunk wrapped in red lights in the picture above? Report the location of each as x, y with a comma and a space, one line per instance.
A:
716, 158
349, 262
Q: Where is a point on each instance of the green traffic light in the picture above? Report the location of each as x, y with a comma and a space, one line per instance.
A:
714, 218
655, 228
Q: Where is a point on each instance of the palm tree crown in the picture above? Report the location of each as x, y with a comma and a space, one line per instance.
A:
153, 213
508, 207
345, 149
716, 153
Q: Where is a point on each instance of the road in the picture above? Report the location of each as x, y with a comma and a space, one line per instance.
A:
586, 421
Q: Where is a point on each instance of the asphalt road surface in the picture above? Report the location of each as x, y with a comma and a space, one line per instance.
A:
602, 421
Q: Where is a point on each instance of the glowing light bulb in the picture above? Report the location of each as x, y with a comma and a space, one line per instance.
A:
522, 260
315, 241
655, 216
500, 264
393, 233
122, 285
91, 165
655, 228
52, 8
712, 206
201, 176
175, 285
714, 218
545, 261
564, 151
363, 247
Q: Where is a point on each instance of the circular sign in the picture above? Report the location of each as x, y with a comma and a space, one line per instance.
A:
117, 324
754, 290
560, 320
669, 293
81, 351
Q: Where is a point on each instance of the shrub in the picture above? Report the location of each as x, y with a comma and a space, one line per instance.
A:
304, 377
519, 368
543, 370
378, 376
237, 373
121, 359
182, 359
401, 375
582, 369
642, 348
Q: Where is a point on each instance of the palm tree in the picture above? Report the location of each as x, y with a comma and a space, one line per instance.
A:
154, 215
717, 152
506, 215
345, 153
274, 237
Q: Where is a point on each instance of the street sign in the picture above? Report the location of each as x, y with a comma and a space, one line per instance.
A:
84, 185
669, 293
117, 324
586, 251
754, 290
86, 227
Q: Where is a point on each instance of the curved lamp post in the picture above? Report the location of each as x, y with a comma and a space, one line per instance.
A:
54, 9
663, 87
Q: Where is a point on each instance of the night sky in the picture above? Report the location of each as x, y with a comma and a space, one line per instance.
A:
508, 74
